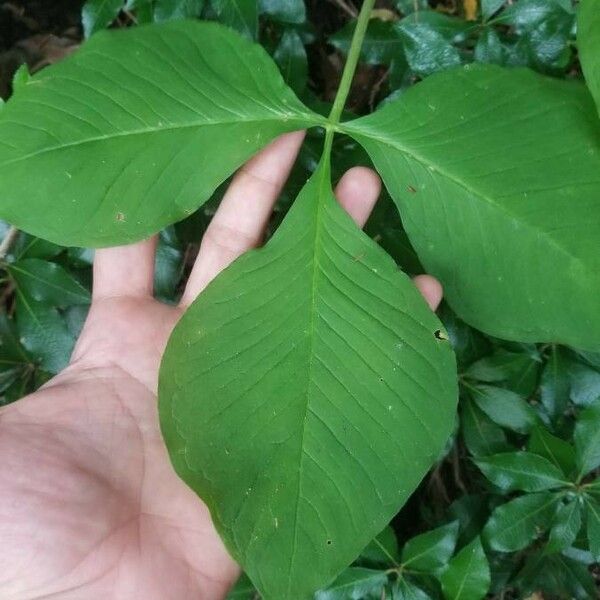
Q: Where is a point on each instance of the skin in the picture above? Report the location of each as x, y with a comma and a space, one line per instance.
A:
89, 504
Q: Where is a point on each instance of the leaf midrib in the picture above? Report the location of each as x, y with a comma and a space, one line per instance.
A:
312, 328
539, 476
81, 294
356, 131
303, 120
467, 572
552, 499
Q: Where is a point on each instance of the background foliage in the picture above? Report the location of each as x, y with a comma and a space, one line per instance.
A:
513, 508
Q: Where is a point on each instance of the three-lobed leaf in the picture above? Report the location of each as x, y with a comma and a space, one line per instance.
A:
328, 357
342, 349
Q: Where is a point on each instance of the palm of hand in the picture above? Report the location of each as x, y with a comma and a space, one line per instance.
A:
90, 507
97, 511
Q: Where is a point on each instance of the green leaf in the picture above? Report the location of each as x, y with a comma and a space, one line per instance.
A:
132, 113
516, 370
286, 11
28, 246
339, 371
556, 576
168, 268
405, 590
482, 436
490, 7
12, 353
588, 41
565, 527
468, 574
383, 549
43, 333
593, 526
517, 523
468, 343
241, 15
557, 451
585, 384
47, 282
144, 10
168, 10
485, 198
427, 51
555, 383
98, 14
21, 77
355, 583
407, 7
524, 471
381, 46
489, 48
430, 551
544, 31
587, 439
504, 407
452, 29
472, 512
242, 590
290, 55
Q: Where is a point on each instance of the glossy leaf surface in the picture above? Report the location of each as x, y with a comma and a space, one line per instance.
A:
326, 353
431, 550
97, 14
118, 134
48, 282
468, 574
484, 199
515, 524
523, 471
565, 527
587, 439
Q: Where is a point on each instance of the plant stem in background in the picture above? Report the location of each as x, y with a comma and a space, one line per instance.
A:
351, 62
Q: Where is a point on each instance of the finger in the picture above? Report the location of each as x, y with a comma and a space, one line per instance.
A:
357, 191
431, 289
240, 221
125, 270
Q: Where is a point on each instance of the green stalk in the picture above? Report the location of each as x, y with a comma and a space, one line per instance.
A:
351, 62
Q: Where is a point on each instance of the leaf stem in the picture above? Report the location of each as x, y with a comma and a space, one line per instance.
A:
351, 62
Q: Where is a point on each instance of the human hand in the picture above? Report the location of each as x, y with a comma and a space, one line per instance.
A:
90, 507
